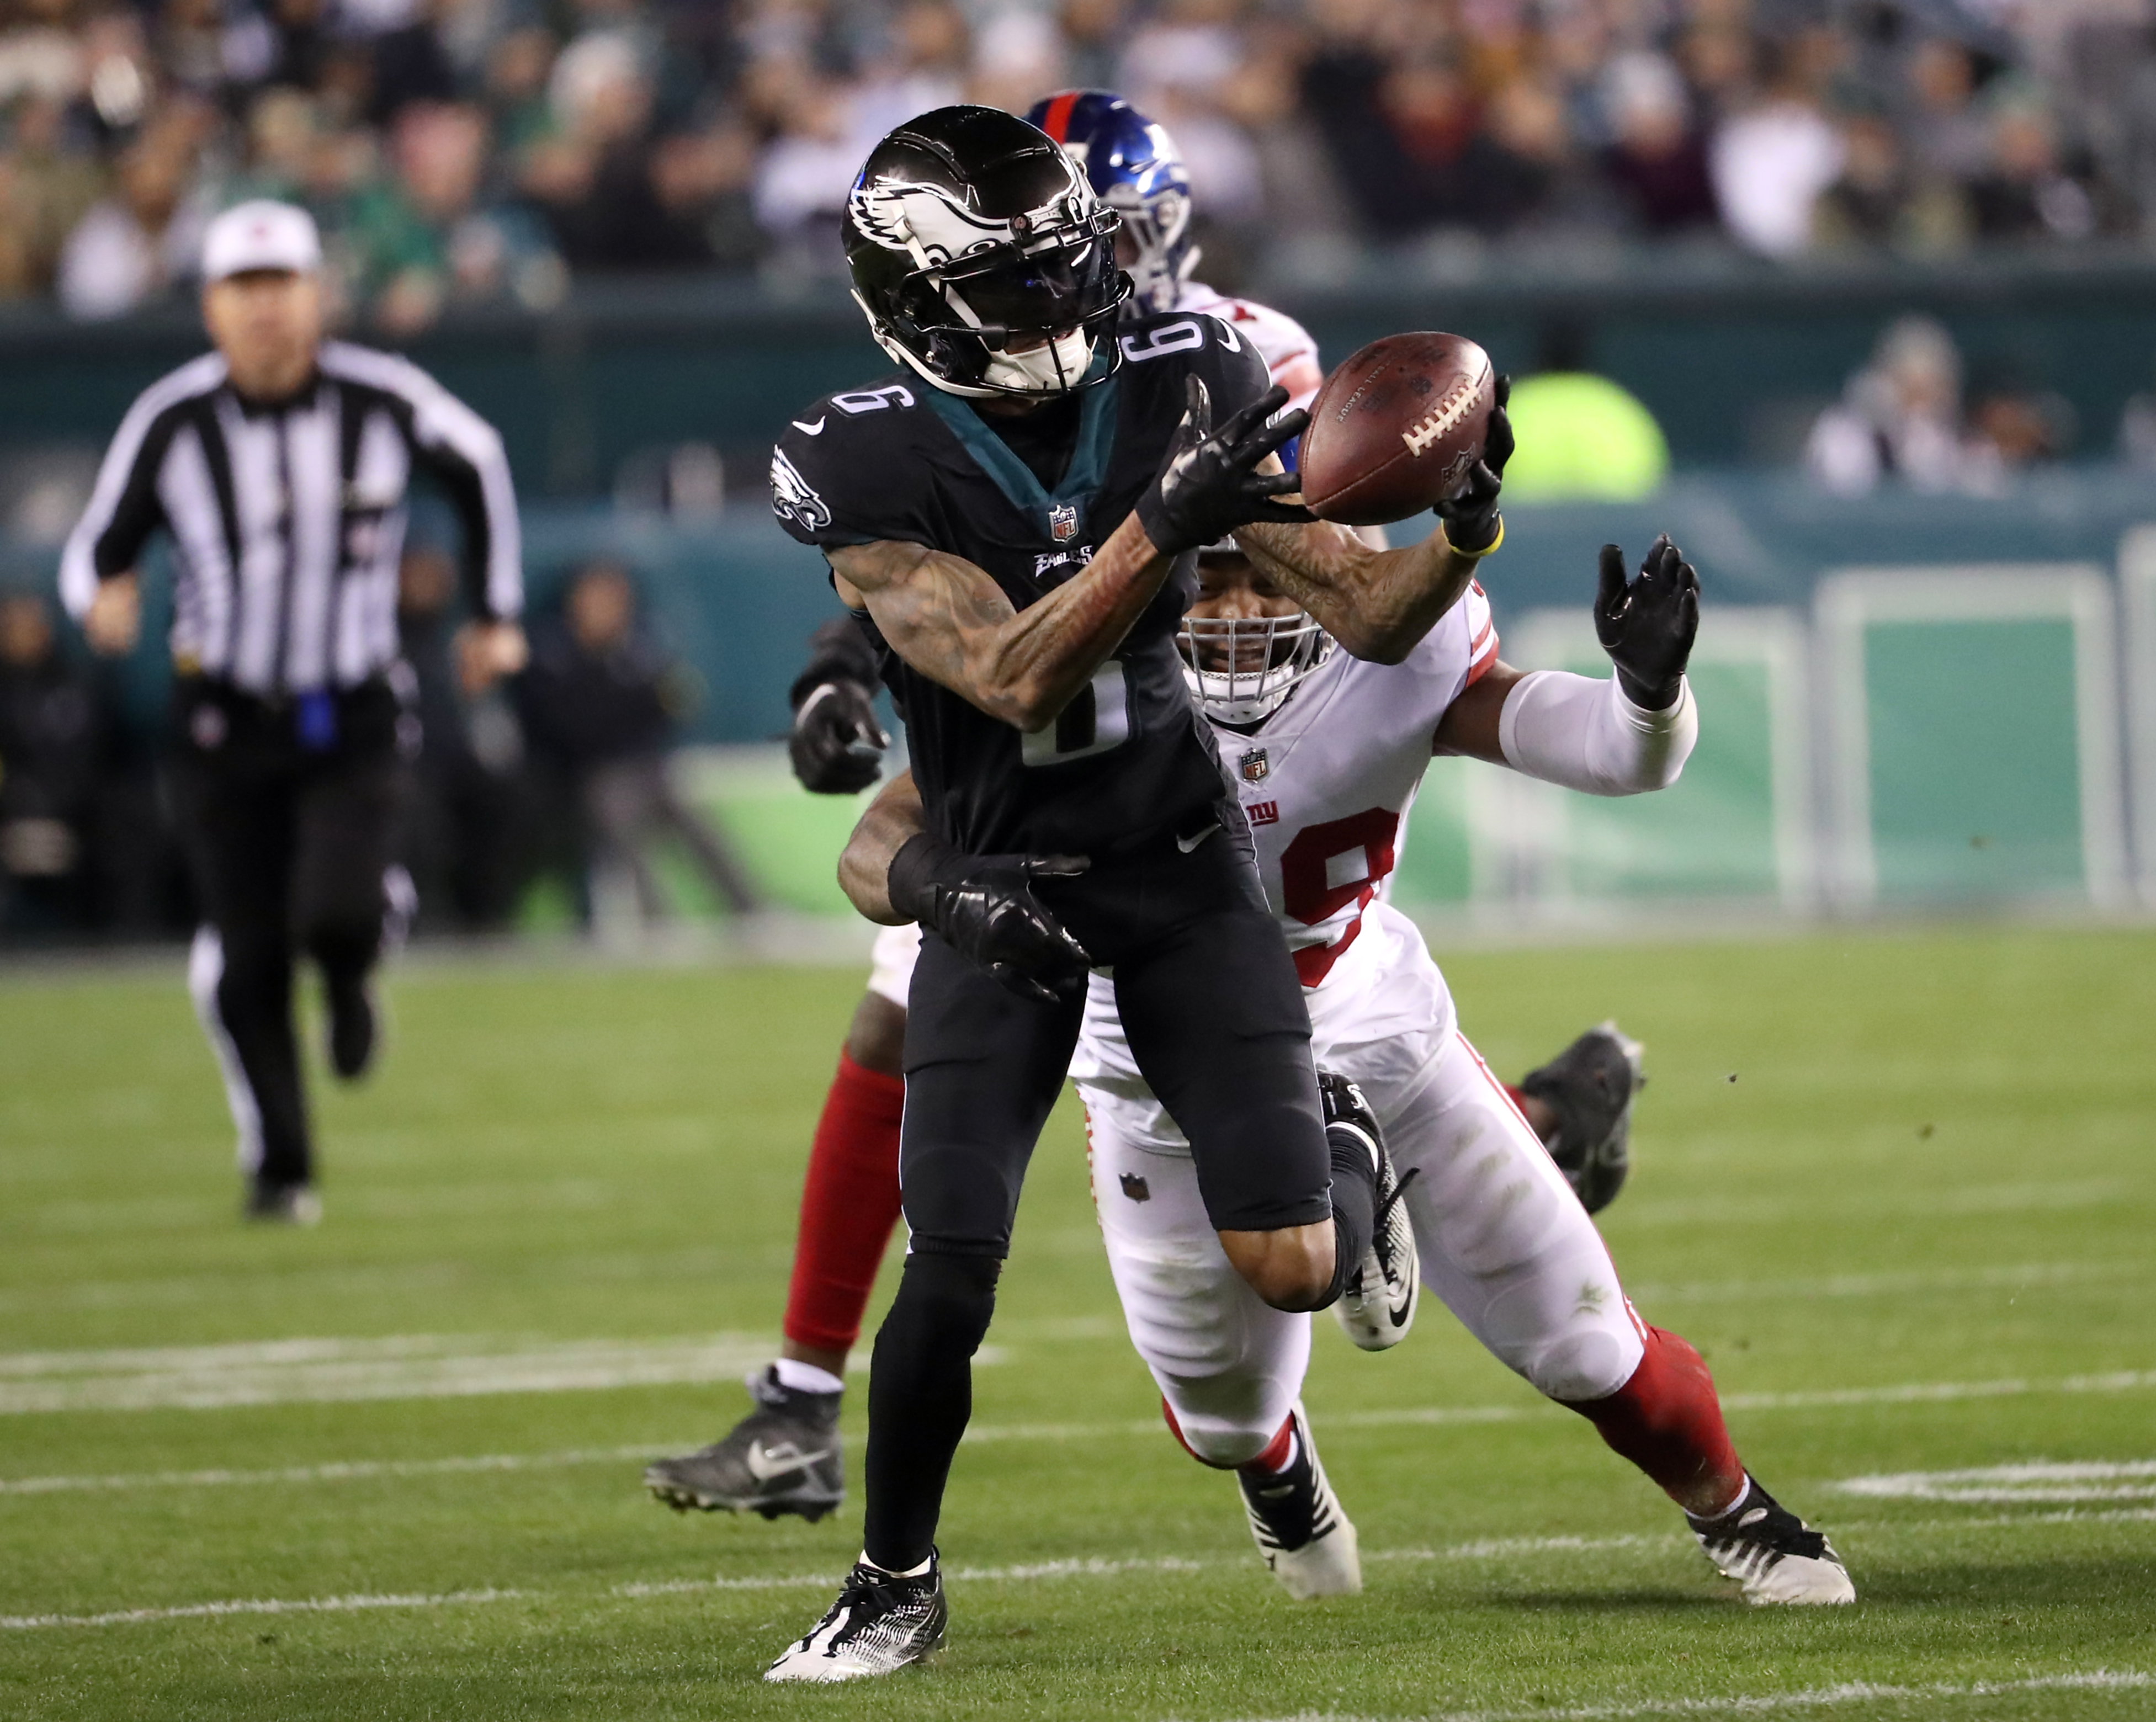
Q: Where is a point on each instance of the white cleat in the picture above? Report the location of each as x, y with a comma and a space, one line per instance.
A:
881, 1623
1377, 1306
1303, 1536
1774, 1555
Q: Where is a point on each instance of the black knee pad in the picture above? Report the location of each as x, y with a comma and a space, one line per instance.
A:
948, 1299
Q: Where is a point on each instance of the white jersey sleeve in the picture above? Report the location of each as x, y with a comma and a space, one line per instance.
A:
1290, 353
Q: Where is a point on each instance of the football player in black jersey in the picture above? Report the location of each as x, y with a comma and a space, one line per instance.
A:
1012, 519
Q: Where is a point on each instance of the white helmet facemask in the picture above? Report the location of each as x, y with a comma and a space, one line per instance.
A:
1242, 668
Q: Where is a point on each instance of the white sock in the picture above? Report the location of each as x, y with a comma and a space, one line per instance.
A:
920, 1571
806, 1377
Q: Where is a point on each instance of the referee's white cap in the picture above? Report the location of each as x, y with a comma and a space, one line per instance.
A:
261, 235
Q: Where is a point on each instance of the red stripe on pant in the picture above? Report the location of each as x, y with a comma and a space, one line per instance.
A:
849, 1204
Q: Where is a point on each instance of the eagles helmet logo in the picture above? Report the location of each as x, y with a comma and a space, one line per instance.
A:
926, 222
793, 498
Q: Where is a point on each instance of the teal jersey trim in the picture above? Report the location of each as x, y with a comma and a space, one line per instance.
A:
1088, 468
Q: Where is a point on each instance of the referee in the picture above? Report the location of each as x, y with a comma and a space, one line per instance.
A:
279, 465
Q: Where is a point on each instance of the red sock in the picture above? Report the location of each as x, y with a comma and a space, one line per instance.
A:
849, 1206
1667, 1421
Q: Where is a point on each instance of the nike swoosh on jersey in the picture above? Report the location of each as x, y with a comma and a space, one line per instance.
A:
809, 430
1189, 843
764, 1464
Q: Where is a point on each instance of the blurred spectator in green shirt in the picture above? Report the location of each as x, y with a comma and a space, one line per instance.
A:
422, 237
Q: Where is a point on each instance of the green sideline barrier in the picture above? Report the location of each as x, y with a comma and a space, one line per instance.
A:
1972, 723
1733, 827
1943, 724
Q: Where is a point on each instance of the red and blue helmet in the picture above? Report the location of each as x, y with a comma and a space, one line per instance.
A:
1134, 167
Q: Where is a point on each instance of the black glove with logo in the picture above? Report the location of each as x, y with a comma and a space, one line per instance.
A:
984, 908
1211, 484
835, 744
1470, 518
1647, 626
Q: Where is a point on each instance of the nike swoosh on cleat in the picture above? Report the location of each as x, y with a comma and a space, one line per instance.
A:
763, 1465
809, 430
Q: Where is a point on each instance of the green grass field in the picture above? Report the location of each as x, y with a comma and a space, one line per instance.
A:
1899, 1189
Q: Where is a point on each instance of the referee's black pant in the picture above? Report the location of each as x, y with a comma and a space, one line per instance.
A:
292, 817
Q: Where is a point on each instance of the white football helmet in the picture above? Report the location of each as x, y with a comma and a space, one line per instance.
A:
1242, 668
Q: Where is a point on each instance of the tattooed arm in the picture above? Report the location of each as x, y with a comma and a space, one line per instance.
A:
1377, 604
951, 621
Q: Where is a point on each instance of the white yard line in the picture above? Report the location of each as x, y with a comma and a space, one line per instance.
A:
2034, 1480
257, 1604
345, 1471
1852, 1692
1908, 1392
1481, 1549
396, 1366
2024, 1276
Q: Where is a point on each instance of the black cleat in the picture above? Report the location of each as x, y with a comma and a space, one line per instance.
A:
1772, 1553
353, 1025
1301, 1533
274, 1203
881, 1623
1377, 1305
1590, 1085
783, 1457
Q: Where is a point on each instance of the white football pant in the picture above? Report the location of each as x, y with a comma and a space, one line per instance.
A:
1504, 1243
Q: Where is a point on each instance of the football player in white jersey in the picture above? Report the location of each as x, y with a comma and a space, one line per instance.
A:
785, 1456
1327, 750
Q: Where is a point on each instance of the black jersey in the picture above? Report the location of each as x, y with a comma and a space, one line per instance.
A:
901, 461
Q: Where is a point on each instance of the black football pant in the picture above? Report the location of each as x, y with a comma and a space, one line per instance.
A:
290, 838
1215, 1018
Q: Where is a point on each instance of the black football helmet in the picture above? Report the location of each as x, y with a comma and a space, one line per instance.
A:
982, 259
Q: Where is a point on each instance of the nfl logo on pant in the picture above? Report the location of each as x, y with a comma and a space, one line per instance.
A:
1063, 521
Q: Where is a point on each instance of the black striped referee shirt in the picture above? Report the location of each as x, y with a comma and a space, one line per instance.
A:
288, 520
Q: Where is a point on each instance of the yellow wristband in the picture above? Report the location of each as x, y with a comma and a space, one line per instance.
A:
1475, 555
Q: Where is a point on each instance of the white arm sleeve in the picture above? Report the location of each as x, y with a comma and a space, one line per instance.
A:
1585, 734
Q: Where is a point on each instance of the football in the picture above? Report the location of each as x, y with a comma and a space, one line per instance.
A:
1397, 429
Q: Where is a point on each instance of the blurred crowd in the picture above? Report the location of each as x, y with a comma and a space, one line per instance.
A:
554, 790
485, 150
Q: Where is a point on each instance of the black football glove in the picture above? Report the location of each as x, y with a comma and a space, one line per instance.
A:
984, 908
836, 745
1470, 518
1211, 484
1647, 626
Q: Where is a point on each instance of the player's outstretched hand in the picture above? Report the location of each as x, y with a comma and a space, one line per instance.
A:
984, 908
1211, 483
836, 745
1470, 518
1647, 625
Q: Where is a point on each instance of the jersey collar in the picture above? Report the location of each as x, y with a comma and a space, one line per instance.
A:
1081, 479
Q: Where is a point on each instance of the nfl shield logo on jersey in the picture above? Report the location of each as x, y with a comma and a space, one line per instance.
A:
1254, 766
1063, 521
